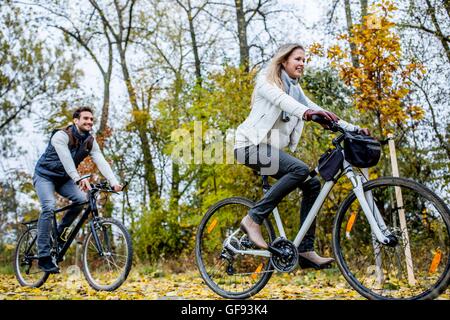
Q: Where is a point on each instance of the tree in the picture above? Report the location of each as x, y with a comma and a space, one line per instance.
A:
89, 32
118, 20
246, 16
32, 73
380, 82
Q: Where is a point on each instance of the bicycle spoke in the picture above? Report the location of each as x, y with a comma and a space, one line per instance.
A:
228, 274
109, 270
26, 262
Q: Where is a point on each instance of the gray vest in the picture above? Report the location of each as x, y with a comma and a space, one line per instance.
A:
50, 167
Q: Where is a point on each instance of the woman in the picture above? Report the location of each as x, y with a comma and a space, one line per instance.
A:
279, 109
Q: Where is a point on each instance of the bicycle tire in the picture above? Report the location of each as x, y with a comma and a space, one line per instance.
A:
90, 252
20, 261
266, 268
423, 211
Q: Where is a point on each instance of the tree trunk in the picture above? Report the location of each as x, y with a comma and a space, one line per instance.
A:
105, 107
198, 72
122, 40
175, 186
244, 51
106, 86
150, 172
348, 15
364, 7
447, 7
432, 12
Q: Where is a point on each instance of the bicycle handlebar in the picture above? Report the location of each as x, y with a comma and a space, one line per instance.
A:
335, 127
332, 125
104, 186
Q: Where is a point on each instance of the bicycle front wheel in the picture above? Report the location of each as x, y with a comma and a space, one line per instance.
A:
231, 275
418, 266
107, 267
26, 260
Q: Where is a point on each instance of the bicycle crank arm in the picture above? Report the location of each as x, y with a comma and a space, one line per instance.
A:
229, 246
275, 251
262, 253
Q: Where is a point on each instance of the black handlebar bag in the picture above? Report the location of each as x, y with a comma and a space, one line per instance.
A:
361, 151
330, 163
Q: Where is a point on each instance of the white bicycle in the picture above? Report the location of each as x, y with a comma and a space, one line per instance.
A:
391, 238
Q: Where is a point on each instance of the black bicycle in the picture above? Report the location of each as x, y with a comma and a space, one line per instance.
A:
106, 252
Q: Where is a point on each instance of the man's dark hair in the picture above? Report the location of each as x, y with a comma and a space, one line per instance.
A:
76, 114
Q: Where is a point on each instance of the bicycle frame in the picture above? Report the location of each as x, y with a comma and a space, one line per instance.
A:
91, 208
376, 222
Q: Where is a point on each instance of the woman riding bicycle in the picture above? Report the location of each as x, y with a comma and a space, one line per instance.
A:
279, 109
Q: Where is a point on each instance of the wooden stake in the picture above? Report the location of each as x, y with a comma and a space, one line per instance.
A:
401, 213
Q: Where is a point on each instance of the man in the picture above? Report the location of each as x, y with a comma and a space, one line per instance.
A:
56, 170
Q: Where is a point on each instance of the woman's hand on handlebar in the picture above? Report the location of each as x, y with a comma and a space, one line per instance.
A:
364, 131
322, 117
117, 187
327, 115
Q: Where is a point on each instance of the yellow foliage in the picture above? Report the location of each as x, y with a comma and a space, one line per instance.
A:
380, 82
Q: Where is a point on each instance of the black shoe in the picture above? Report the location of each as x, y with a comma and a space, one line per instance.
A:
46, 264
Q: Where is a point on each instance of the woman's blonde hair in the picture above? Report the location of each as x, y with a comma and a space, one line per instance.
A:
276, 64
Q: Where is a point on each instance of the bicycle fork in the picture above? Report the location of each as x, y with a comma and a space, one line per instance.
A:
370, 209
98, 245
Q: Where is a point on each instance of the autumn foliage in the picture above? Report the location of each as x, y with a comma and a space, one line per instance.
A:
380, 79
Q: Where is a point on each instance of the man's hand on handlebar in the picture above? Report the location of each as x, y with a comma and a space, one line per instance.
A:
84, 184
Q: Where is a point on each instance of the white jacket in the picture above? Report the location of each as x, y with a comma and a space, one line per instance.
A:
269, 101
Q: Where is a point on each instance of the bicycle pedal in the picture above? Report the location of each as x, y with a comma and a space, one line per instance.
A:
247, 243
230, 270
326, 266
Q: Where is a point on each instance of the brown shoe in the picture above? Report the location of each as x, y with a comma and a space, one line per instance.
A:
311, 259
253, 231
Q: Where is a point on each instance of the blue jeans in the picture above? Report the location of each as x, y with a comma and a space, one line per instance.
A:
291, 174
45, 190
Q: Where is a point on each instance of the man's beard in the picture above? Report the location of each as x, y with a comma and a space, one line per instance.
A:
82, 130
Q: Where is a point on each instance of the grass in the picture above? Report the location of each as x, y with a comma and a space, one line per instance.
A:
6, 269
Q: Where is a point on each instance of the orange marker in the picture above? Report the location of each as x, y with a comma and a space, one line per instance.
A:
212, 225
350, 223
258, 270
436, 260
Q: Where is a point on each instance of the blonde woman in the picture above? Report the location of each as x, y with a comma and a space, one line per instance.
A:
279, 110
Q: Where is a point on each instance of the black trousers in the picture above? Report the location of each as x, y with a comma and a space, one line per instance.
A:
290, 173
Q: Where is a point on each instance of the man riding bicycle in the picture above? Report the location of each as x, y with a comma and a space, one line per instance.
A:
56, 170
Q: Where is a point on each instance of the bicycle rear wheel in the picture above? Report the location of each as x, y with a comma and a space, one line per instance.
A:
231, 275
26, 260
418, 266
107, 271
